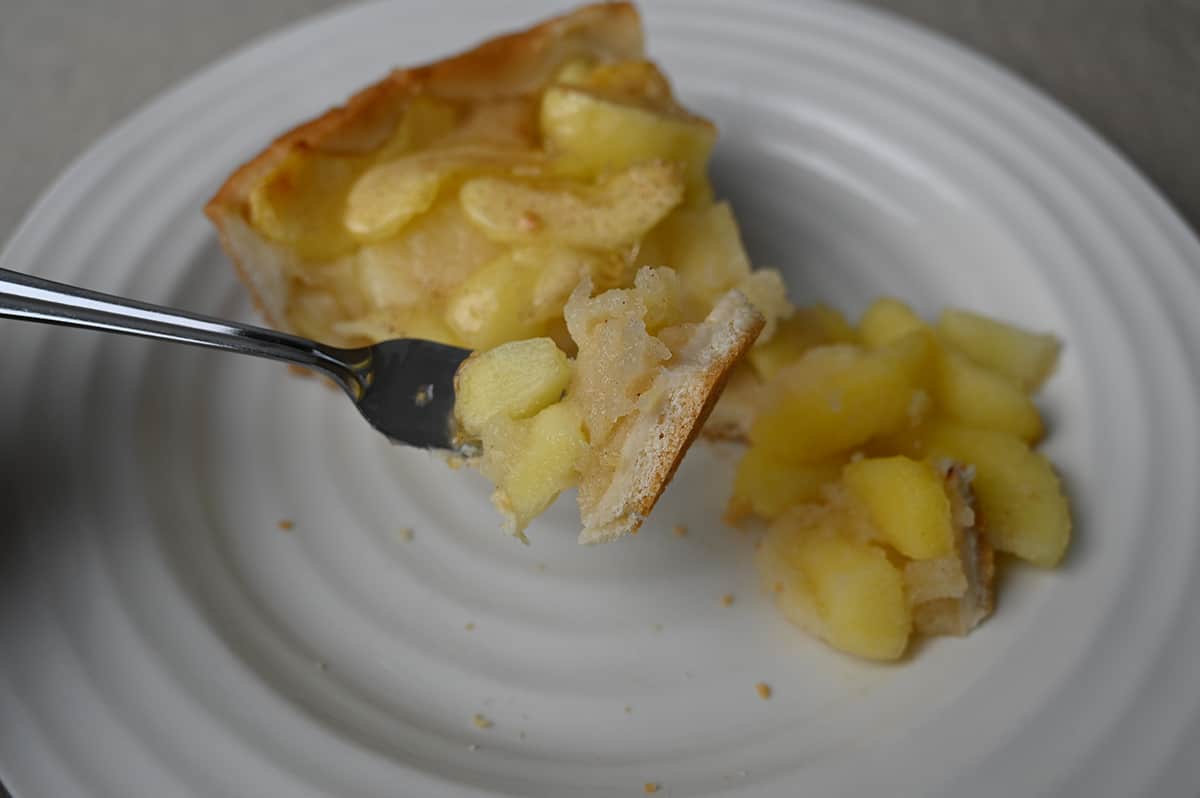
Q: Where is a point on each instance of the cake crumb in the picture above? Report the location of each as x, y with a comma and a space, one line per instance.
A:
286, 524
727, 600
473, 747
763, 689
650, 788
658, 627
470, 627
628, 709
481, 722
680, 530
406, 533
540, 567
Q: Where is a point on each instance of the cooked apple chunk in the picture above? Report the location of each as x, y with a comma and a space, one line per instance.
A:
593, 129
962, 389
843, 590
612, 213
1020, 495
837, 397
514, 380
907, 503
1025, 357
935, 486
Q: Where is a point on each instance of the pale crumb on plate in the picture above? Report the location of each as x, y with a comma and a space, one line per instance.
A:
540, 567
481, 722
406, 533
473, 747
470, 627
650, 787
658, 627
763, 689
680, 530
628, 710
727, 600
286, 524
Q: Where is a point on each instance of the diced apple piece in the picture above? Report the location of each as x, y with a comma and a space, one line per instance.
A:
515, 296
514, 380
857, 593
962, 389
766, 486
591, 135
887, 320
613, 213
299, 203
806, 328
838, 397
438, 251
703, 246
532, 460
907, 502
978, 397
1025, 357
492, 306
787, 583
1019, 495
390, 194
387, 196
860, 595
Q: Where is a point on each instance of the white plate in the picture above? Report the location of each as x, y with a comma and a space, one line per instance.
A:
161, 636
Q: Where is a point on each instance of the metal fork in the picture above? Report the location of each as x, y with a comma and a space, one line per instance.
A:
404, 388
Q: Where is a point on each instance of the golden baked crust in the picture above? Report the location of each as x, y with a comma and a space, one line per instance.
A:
513, 64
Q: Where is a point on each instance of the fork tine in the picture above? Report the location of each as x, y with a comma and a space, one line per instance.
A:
409, 394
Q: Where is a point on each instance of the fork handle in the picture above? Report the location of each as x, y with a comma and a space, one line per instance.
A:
23, 296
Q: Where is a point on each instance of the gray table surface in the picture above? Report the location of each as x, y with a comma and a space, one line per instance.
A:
70, 69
